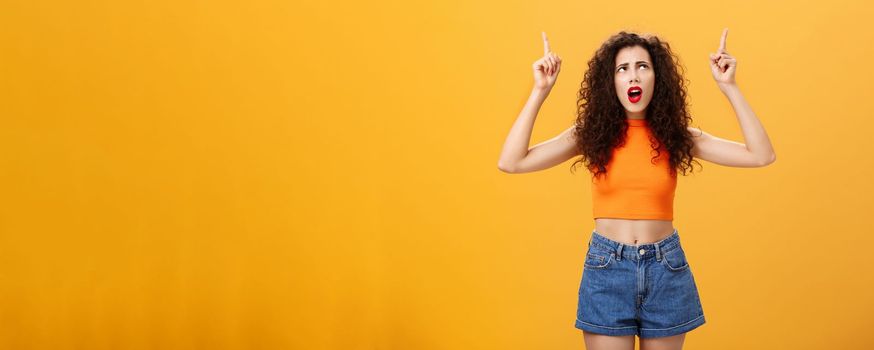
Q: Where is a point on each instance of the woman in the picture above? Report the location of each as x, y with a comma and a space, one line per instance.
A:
632, 133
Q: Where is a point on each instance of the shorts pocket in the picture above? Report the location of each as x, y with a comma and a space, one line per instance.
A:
675, 259
598, 258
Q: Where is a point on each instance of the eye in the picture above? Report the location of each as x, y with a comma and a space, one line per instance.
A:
620, 68
644, 66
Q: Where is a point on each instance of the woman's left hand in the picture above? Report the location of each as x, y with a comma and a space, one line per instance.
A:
723, 65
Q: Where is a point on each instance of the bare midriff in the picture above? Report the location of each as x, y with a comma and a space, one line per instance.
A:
633, 232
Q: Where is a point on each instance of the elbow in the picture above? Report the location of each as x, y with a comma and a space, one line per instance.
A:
769, 160
505, 168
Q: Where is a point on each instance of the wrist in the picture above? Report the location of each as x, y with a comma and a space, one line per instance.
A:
726, 87
537, 90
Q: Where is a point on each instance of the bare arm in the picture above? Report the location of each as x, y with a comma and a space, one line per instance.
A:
757, 142
757, 151
725, 152
516, 157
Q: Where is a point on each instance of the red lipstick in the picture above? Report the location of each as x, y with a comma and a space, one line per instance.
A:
635, 93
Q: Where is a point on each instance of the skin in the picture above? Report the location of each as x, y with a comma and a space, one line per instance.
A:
633, 67
517, 157
595, 341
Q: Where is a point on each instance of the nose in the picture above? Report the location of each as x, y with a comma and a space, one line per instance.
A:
635, 79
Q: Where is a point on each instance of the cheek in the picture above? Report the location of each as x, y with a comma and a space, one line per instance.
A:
651, 86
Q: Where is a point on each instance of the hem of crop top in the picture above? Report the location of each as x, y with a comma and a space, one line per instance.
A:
636, 216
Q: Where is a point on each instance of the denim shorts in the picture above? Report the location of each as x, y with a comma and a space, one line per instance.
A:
644, 289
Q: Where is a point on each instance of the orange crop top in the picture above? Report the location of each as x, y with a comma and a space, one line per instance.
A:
635, 186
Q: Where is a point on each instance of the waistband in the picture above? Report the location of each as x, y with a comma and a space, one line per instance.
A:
637, 251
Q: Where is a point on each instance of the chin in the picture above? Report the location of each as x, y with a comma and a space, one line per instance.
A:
636, 108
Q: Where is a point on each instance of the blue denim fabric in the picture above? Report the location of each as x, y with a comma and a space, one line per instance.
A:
645, 289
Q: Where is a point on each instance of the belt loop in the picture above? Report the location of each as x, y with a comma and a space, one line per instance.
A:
658, 253
619, 252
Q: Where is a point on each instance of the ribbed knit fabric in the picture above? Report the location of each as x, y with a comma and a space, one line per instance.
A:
635, 186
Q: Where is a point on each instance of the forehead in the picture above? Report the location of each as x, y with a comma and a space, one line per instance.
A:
631, 54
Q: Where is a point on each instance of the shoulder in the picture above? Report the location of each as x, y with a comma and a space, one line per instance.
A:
699, 139
696, 133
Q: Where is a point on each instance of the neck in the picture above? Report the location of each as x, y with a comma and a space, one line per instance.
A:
635, 115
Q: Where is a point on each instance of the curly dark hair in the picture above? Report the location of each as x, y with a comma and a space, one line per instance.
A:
601, 121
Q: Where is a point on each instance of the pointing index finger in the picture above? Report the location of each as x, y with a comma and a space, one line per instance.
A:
545, 43
722, 41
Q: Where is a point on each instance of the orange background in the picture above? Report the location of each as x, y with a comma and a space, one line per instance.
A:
322, 175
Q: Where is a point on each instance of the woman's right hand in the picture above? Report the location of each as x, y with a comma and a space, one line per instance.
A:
546, 68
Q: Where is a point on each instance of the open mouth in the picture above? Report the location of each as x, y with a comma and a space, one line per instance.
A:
634, 94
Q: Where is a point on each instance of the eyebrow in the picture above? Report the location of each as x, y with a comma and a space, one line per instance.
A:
626, 63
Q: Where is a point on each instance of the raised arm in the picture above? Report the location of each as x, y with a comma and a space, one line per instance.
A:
757, 150
516, 156
546, 154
